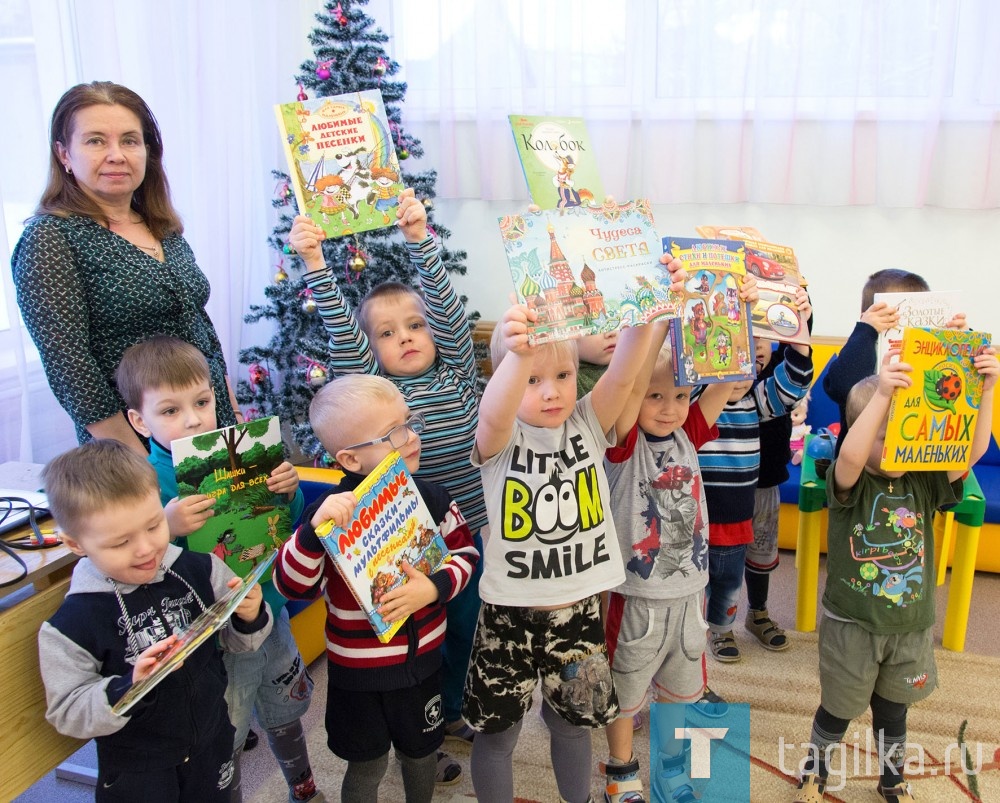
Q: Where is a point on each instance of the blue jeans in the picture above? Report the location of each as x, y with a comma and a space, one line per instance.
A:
463, 614
725, 581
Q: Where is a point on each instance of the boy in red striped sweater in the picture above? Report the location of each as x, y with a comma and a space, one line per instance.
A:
379, 695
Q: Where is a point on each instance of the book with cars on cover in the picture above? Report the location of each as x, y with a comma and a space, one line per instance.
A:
933, 308
775, 316
711, 340
587, 270
391, 524
341, 160
558, 161
931, 423
233, 464
211, 620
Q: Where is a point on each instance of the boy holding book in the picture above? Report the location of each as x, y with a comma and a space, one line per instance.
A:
380, 695
423, 344
129, 593
876, 644
165, 383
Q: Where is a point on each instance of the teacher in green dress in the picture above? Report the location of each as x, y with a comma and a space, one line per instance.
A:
103, 264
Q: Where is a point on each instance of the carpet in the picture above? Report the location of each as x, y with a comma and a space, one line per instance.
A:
783, 692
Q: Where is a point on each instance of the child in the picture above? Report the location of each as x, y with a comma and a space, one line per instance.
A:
857, 359
655, 629
552, 552
423, 344
730, 466
165, 383
595, 353
380, 695
129, 592
875, 650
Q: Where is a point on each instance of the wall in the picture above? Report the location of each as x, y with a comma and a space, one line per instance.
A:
838, 247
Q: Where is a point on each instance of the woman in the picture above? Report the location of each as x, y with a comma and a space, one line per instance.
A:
103, 266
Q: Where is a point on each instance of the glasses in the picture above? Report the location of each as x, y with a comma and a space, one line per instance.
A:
399, 435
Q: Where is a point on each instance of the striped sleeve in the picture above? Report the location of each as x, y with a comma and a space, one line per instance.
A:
350, 351
778, 393
298, 571
464, 556
445, 310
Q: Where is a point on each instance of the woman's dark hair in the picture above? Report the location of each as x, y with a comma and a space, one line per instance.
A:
63, 195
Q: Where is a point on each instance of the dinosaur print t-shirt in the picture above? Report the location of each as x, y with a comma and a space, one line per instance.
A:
880, 558
658, 504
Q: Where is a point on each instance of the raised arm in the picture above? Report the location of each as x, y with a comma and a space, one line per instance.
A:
986, 363
506, 387
630, 412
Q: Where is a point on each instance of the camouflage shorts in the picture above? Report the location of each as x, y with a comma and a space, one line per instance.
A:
514, 647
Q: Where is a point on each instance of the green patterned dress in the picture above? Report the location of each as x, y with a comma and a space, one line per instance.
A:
87, 294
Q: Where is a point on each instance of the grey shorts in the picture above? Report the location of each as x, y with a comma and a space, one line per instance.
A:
762, 553
853, 663
660, 642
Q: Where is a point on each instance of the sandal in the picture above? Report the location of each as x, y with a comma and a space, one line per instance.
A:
723, 647
710, 704
459, 732
448, 770
900, 793
810, 789
767, 632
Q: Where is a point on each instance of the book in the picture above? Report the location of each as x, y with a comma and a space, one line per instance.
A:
341, 160
711, 341
730, 233
588, 270
391, 524
558, 161
212, 619
931, 308
775, 316
233, 464
931, 423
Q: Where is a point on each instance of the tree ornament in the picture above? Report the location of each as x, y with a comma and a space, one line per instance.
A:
380, 66
316, 375
428, 203
323, 69
308, 302
302, 94
257, 373
280, 276
338, 12
287, 249
403, 154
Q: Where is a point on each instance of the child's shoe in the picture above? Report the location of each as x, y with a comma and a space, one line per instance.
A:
623, 783
710, 704
767, 632
448, 770
459, 731
637, 721
671, 783
810, 789
723, 646
900, 793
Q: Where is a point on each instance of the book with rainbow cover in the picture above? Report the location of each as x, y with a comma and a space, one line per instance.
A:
391, 524
341, 161
931, 423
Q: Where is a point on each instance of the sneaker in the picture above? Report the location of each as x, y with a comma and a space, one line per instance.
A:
448, 770
767, 632
723, 647
900, 793
459, 732
710, 704
637, 721
810, 789
623, 784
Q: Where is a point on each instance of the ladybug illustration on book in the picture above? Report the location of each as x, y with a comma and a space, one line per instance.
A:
949, 386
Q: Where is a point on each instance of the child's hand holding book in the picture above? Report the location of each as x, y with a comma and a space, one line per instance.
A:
185, 516
416, 592
283, 480
249, 609
336, 511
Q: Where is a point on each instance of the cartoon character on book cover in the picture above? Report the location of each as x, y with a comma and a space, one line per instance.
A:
557, 160
775, 316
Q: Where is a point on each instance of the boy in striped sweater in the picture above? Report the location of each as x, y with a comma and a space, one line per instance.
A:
423, 344
380, 695
730, 465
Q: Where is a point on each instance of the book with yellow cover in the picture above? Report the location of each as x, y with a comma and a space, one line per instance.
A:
391, 524
931, 423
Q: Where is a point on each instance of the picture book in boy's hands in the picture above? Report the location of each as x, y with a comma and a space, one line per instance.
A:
931, 423
233, 464
341, 160
711, 340
775, 316
930, 309
558, 161
212, 619
585, 270
391, 525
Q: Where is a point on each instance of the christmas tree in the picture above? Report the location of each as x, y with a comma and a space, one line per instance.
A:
286, 372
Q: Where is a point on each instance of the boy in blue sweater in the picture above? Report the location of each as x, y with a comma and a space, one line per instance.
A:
165, 383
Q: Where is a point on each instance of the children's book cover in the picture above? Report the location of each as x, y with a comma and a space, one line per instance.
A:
775, 316
931, 423
341, 160
391, 525
730, 233
212, 619
587, 270
558, 161
932, 309
233, 464
711, 340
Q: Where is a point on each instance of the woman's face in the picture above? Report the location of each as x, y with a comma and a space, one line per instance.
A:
106, 153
